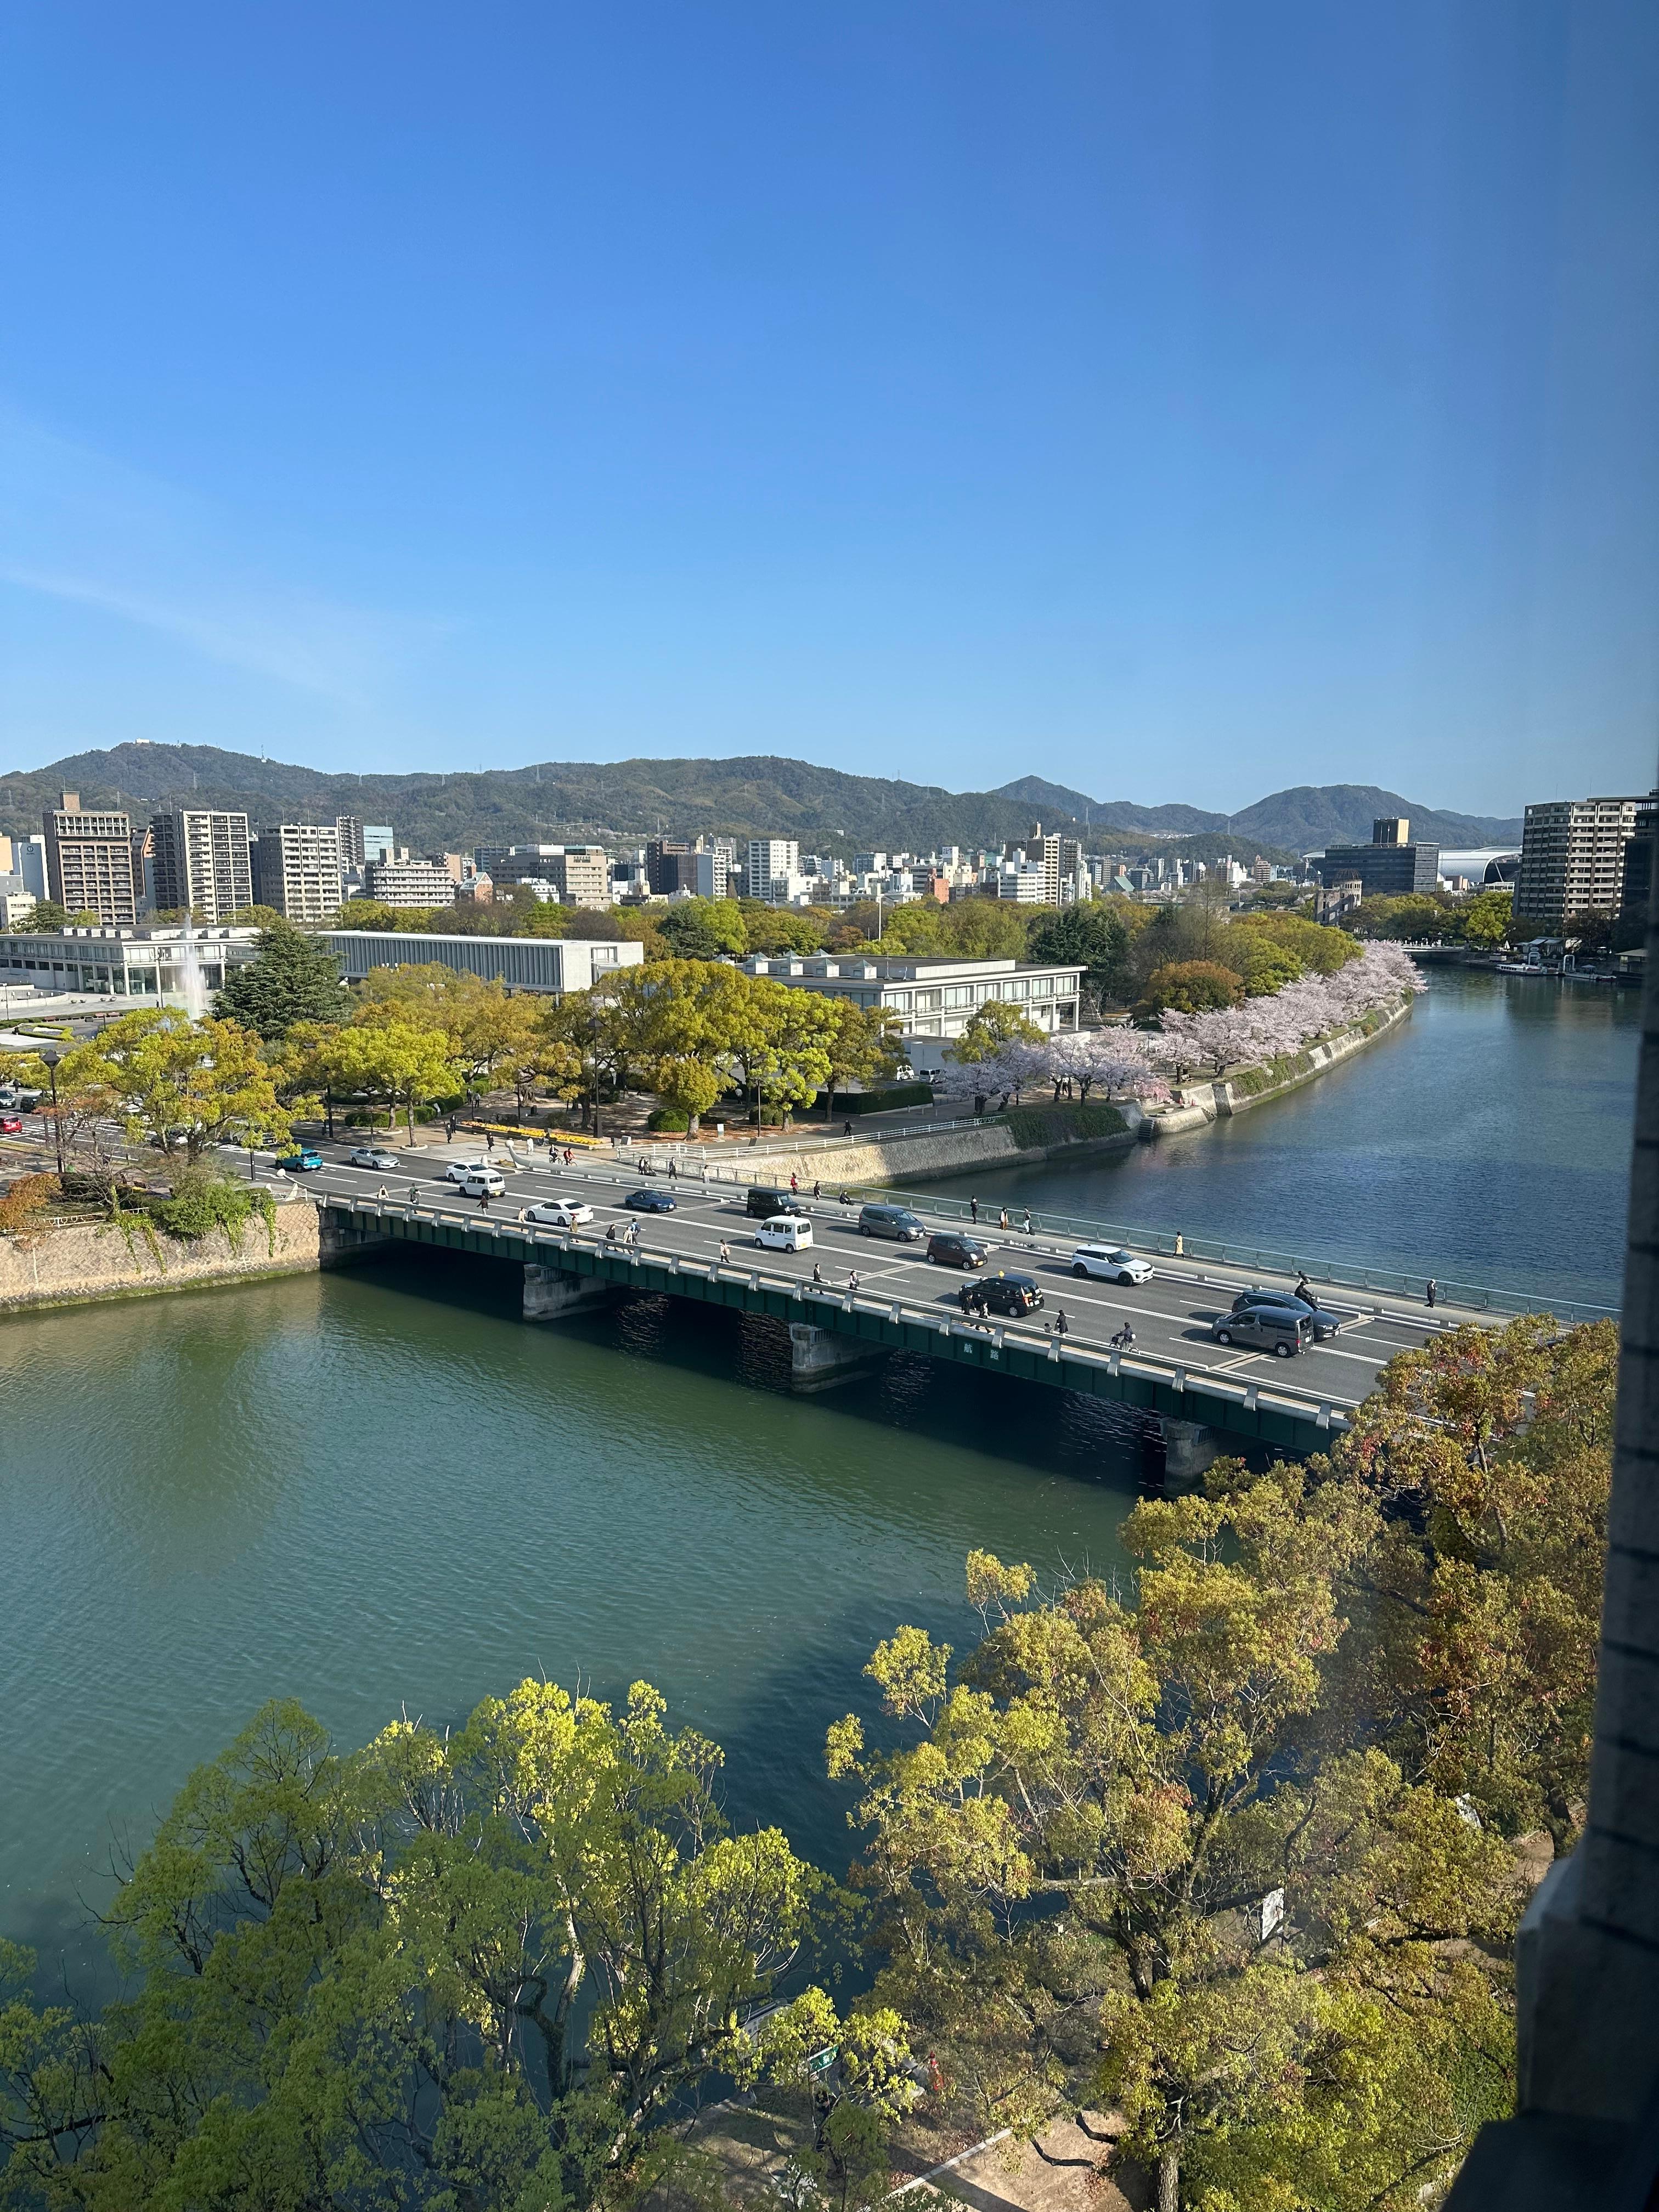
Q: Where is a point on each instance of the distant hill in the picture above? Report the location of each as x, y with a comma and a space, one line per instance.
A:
752, 796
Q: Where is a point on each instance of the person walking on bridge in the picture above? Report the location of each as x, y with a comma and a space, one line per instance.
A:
973, 1211
726, 1253
794, 1187
1432, 1292
1062, 1327
818, 1190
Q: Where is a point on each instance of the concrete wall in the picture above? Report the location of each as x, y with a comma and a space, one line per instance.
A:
1204, 1102
918, 1159
64, 1266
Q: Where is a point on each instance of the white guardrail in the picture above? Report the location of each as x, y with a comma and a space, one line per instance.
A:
1249, 1397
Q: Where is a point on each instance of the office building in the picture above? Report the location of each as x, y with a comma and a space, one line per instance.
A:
17, 902
202, 863
770, 863
933, 999
409, 882
149, 964
1572, 860
571, 875
662, 871
379, 844
1389, 867
552, 964
296, 869
1064, 878
89, 861
351, 843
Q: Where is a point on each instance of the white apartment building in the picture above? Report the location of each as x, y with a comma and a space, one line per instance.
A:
770, 864
409, 882
1572, 859
202, 861
296, 869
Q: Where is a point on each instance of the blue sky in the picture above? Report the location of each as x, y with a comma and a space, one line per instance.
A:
1180, 402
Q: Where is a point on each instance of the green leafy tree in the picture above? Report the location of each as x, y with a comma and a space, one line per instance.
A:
681, 1014
392, 1059
46, 914
704, 929
1096, 933
990, 1027
165, 1078
292, 977
862, 1045
1488, 918
1190, 987
784, 929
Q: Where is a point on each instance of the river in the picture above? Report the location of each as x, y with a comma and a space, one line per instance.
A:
379, 1489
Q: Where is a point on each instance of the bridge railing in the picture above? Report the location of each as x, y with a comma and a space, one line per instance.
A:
1192, 1383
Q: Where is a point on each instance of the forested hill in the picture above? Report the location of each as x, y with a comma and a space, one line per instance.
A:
754, 796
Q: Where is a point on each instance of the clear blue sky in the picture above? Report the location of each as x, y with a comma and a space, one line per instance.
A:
1180, 402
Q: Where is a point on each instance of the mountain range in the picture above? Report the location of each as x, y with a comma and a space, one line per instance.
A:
758, 795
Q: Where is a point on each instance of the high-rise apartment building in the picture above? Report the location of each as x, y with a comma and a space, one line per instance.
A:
662, 869
351, 842
1572, 859
409, 883
296, 869
89, 861
203, 863
1063, 871
770, 861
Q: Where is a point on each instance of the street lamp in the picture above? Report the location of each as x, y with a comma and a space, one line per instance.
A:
52, 1059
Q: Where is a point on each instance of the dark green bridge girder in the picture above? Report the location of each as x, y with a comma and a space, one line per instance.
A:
1278, 1419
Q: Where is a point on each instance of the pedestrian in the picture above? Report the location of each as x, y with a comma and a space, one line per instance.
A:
973, 1211
569, 1156
817, 1273
1433, 1290
1002, 1219
818, 1190
1180, 1247
1028, 1221
794, 1187
965, 1298
413, 1194
847, 1128
673, 1172
490, 1140
1062, 1327
611, 1236
449, 1127
483, 1201
381, 1194
726, 1253
852, 1282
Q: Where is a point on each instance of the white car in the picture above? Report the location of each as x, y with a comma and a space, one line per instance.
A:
558, 1212
1109, 1263
459, 1170
785, 1232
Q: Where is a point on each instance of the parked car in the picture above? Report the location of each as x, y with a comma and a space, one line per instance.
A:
896, 1221
483, 1183
459, 1170
1110, 1263
649, 1201
373, 1156
947, 1248
785, 1232
557, 1212
1265, 1328
1325, 1325
1012, 1294
763, 1205
300, 1162
11, 1125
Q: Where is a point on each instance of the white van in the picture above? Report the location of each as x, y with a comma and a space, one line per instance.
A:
482, 1182
785, 1232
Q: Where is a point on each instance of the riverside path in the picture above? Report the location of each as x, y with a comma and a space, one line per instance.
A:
1196, 1387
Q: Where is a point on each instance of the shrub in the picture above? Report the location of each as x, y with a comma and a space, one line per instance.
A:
24, 1203
670, 1118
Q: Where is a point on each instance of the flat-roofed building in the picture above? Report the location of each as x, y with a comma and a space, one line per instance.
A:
149, 964
409, 883
89, 861
1572, 859
933, 999
296, 869
203, 862
550, 964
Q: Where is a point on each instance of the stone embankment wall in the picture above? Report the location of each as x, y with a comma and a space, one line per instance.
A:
922, 1158
1204, 1102
67, 1266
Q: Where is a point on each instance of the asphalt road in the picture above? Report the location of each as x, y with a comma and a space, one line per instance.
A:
1170, 1314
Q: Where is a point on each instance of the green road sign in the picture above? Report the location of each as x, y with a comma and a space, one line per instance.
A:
821, 2061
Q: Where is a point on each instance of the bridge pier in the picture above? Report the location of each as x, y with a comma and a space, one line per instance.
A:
1189, 1448
819, 1356
550, 1295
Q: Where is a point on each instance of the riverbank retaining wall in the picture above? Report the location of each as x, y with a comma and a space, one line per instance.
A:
1200, 1103
95, 1259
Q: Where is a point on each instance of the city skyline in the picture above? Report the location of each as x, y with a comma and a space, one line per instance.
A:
1171, 402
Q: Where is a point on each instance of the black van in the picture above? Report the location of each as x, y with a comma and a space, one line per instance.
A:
764, 1204
896, 1221
1011, 1294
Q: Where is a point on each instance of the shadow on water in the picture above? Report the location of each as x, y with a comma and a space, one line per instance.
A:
1027, 1424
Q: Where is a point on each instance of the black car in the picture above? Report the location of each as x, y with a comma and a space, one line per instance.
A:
946, 1249
649, 1201
1011, 1294
1325, 1325
765, 1205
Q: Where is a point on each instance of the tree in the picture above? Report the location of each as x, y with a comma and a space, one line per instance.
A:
168, 1078
991, 1027
46, 914
784, 929
861, 1045
292, 977
459, 1970
703, 929
393, 1060
1190, 987
1488, 917
1094, 933
597, 1039
680, 1013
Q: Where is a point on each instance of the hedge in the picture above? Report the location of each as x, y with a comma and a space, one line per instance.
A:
876, 1102
1065, 1124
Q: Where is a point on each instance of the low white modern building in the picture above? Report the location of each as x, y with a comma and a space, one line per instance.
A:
148, 964
555, 964
934, 999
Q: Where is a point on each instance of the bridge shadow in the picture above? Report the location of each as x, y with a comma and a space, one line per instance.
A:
1061, 1433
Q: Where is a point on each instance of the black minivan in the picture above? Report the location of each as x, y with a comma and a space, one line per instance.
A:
948, 1248
764, 1204
1011, 1294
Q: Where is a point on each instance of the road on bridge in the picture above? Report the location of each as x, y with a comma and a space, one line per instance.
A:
1171, 1314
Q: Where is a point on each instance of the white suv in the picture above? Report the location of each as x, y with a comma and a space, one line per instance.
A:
1109, 1263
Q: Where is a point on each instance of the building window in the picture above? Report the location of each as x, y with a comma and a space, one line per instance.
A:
959, 994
